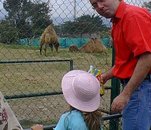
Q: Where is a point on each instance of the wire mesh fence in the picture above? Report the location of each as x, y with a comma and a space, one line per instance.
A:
77, 27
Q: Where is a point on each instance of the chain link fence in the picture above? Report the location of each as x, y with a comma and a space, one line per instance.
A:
31, 82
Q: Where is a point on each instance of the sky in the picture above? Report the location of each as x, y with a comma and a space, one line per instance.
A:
64, 10
2, 11
67, 9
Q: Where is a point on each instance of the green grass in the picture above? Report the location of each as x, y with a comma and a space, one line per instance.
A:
42, 77
35, 77
17, 46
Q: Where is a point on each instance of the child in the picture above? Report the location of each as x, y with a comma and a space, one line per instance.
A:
81, 92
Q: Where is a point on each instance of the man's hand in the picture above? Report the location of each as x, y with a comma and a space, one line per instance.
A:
119, 103
102, 78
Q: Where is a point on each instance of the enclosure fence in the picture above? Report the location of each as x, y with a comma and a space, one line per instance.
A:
30, 81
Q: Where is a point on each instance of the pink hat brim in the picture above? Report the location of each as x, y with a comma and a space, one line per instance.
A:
67, 84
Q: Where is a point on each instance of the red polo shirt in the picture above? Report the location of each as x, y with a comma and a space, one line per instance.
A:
131, 34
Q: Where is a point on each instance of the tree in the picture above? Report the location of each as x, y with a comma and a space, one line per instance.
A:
85, 24
147, 5
17, 15
8, 33
39, 17
89, 24
27, 17
69, 28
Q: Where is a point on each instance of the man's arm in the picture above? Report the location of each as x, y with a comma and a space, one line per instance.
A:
105, 76
142, 68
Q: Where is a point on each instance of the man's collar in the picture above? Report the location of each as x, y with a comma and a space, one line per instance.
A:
120, 11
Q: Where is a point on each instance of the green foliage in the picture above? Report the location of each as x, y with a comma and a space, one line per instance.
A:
91, 23
29, 18
8, 33
147, 5
85, 24
39, 17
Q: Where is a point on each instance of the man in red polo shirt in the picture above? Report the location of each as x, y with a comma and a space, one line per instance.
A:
131, 33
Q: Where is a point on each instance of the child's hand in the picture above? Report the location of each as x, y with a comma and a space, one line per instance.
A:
37, 127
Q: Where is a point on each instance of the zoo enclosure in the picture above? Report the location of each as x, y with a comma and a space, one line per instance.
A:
36, 79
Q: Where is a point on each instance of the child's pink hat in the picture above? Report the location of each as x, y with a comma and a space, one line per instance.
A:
81, 90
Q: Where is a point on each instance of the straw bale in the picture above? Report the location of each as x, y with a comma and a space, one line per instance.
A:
93, 46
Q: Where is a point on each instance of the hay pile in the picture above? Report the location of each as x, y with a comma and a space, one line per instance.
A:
93, 46
73, 48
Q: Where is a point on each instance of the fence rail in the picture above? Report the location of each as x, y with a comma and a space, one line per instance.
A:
104, 118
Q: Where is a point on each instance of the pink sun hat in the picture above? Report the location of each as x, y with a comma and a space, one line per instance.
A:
81, 90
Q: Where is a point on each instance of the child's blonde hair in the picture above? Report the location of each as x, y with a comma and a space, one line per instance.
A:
93, 119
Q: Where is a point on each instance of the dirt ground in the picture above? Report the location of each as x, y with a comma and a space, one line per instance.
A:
45, 110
